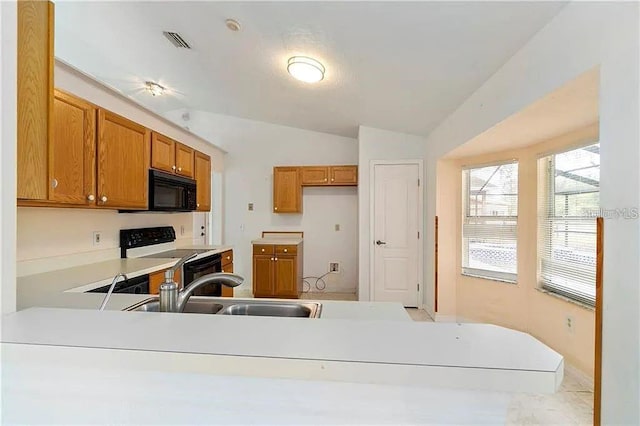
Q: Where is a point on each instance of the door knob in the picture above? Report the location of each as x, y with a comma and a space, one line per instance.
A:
380, 243
91, 197
103, 198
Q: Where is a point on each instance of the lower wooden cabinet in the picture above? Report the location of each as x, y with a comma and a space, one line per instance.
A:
277, 271
227, 266
157, 278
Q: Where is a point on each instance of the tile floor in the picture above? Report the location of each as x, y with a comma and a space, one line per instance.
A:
329, 296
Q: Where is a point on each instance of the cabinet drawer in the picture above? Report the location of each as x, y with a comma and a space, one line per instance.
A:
227, 257
262, 249
286, 249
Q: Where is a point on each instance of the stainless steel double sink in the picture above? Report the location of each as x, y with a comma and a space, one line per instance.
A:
265, 308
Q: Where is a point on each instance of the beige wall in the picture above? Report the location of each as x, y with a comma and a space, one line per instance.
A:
519, 306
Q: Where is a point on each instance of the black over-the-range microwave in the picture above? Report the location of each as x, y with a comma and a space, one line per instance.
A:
171, 193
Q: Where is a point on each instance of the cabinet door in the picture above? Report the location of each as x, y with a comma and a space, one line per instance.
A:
184, 160
34, 97
123, 162
287, 192
163, 153
285, 276
227, 258
202, 168
227, 291
344, 175
72, 151
314, 175
263, 276
157, 278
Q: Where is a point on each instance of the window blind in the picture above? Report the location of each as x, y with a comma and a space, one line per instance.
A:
490, 219
568, 203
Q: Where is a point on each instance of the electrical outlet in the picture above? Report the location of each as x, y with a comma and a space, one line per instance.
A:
181, 229
97, 238
334, 267
568, 322
337, 227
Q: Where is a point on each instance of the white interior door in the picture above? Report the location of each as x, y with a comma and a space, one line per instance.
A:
396, 218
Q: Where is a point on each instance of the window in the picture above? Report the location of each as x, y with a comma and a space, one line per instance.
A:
569, 201
489, 248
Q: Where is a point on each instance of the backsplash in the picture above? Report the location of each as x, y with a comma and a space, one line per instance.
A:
53, 232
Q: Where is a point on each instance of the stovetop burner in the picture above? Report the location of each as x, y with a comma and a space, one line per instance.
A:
175, 254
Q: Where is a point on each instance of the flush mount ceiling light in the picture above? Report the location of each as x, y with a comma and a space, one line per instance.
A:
154, 88
305, 69
232, 24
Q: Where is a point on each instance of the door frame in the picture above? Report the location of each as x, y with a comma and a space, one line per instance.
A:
372, 185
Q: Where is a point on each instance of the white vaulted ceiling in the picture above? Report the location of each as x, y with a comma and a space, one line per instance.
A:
397, 66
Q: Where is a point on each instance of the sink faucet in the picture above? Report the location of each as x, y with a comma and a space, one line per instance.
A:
224, 278
174, 300
111, 287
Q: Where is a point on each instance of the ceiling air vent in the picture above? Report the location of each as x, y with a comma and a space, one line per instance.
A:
176, 39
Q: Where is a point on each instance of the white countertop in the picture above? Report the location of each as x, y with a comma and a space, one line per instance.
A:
278, 240
76, 386
67, 287
458, 355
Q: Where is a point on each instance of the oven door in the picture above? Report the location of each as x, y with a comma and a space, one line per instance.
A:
198, 268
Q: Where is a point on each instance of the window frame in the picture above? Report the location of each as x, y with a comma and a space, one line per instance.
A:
546, 223
487, 274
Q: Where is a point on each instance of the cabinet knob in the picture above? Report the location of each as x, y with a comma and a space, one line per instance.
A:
325, 179
202, 234
179, 169
272, 259
103, 198
198, 205
91, 197
263, 250
173, 167
276, 259
228, 257
332, 179
285, 250
54, 183
275, 208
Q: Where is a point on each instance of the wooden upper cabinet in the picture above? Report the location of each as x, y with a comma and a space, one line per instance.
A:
329, 175
287, 191
202, 172
314, 175
72, 151
123, 162
34, 97
343, 175
171, 156
184, 160
163, 150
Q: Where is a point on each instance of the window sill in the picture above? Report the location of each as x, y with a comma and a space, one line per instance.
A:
498, 280
566, 299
